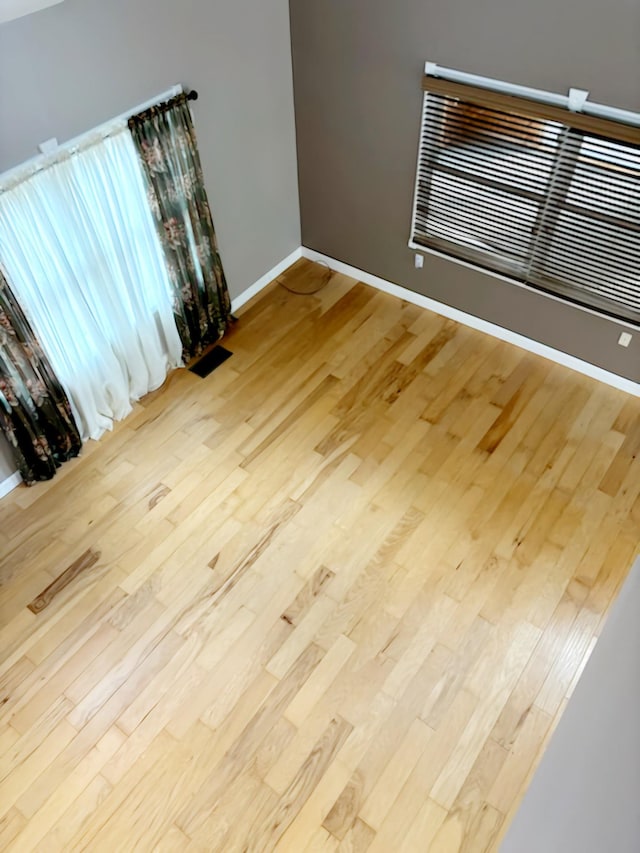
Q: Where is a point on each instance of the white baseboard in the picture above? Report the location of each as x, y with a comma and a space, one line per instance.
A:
266, 279
465, 319
10, 484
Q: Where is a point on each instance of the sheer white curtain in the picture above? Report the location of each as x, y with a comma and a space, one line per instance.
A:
80, 249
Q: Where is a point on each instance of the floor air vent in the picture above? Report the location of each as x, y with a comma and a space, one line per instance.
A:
208, 363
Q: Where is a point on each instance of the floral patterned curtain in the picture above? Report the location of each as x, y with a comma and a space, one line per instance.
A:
35, 414
166, 140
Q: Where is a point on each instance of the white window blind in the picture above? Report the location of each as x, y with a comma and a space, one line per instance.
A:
525, 193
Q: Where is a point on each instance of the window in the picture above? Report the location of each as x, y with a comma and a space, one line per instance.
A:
80, 248
544, 196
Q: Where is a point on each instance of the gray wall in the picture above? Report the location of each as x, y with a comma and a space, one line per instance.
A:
68, 68
357, 75
7, 465
584, 795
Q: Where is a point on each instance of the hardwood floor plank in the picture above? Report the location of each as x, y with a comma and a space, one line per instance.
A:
11, 825
274, 825
333, 597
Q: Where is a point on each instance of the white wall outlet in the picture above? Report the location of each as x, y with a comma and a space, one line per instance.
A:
419, 262
625, 339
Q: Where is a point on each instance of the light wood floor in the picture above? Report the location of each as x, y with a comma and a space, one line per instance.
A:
332, 597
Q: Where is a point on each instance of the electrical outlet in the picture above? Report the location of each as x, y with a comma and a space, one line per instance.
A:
625, 339
419, 262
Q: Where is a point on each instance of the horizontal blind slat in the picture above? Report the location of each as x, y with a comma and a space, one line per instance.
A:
515, 105
520, 230
533, 196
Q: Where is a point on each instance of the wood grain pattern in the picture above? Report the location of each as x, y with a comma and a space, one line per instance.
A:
86, 561
346, 585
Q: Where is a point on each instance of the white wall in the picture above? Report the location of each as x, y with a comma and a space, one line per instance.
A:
11, 9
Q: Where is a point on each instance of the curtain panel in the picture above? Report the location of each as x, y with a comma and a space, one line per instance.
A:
79, 246
168, 149
35, 415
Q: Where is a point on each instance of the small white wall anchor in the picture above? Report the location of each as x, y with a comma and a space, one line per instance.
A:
48, 147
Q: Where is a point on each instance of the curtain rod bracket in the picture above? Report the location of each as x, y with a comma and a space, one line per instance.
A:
577, 100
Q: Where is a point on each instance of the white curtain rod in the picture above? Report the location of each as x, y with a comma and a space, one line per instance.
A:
576, 100
34, 164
